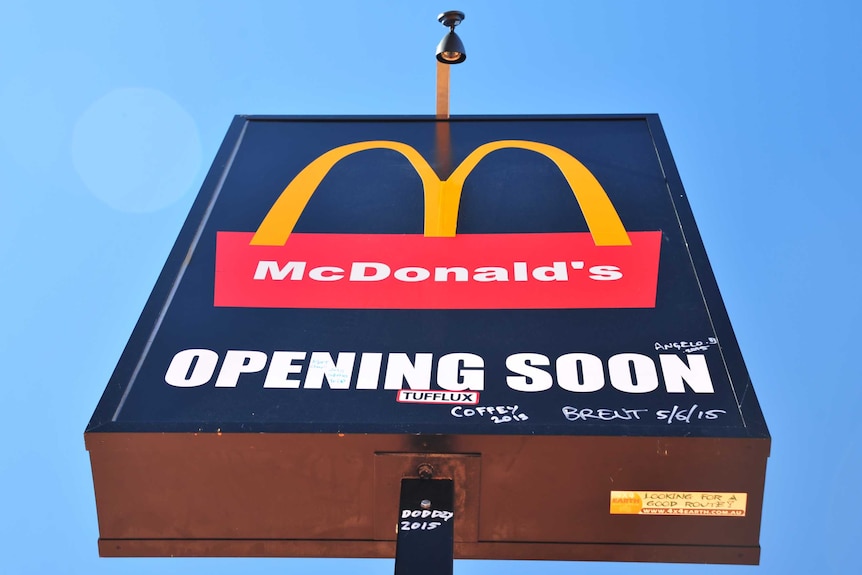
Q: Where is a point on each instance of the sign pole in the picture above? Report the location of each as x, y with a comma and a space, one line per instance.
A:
443, 137
425, 543
442, 91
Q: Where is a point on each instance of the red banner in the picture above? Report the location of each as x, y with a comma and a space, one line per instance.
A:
468, 271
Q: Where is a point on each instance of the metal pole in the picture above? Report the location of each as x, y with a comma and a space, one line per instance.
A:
426, 533
443, 137
443, 91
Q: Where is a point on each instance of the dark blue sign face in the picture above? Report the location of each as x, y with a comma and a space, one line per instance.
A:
476, 276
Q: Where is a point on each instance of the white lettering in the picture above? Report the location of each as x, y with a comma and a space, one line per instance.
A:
491, 274
295, 269
237, 362
399, 368
621, 367
369, 370
280, 367
359, 272
605, 273
337, 373
580, 372
326, 273
191, 368
529, 378
558, 272
677, 373
442, 274
461, 372
377, 271
459, 376
412, 274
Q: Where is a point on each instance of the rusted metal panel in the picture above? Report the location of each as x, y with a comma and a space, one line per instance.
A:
332, 496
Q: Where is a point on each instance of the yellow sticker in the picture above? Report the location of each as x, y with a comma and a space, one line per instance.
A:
707, 503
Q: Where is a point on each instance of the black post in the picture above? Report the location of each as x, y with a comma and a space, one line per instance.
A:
426, 519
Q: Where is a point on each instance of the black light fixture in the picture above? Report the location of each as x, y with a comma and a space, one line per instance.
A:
450, 50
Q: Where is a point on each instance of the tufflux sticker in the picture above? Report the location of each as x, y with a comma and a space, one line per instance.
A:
438, 397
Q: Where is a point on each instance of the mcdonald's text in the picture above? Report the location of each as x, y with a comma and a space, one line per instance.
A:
631, 373
377, 271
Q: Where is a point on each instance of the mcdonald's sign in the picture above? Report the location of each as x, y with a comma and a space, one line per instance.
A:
522, 303
605, 268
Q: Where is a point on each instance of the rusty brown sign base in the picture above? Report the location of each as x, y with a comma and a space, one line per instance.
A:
334, 495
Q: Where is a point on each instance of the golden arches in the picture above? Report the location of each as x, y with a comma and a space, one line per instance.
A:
443, 198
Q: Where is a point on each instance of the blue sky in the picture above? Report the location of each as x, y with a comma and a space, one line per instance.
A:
113, 112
